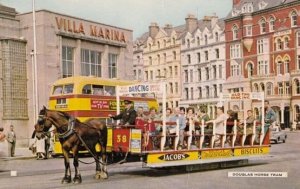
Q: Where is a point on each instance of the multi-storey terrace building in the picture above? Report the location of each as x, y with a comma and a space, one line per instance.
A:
203, 63
263, 55
159, 52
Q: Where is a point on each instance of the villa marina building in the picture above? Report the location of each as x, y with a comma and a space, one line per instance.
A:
66, 46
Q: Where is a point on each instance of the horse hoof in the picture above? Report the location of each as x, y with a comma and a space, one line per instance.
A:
77, 179
104, 175
66, 179
97, 175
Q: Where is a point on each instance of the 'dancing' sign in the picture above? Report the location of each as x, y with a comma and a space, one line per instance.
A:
140, 88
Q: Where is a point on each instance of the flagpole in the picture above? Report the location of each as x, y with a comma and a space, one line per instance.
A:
35, 95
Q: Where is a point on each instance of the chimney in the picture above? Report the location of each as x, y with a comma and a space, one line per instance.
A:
210, 20
153, 29
191, 23
235, 2
168, 28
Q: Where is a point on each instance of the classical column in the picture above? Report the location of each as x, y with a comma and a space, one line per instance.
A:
282, 113
77, 58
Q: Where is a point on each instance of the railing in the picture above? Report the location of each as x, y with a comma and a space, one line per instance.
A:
202, 137
215, 139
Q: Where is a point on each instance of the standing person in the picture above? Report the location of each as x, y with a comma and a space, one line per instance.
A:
270, 116
47, 144
2, 143
249, 127
179, 114
128, 115
203, 116
190, 117
221, 117
40, 148
11, 139
150, 126
140, 113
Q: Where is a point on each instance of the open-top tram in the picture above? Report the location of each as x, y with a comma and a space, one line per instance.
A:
201, 146
127, 141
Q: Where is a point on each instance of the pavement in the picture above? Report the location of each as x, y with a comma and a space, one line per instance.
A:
20, 153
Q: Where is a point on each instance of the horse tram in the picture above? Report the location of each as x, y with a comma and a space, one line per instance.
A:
126, 143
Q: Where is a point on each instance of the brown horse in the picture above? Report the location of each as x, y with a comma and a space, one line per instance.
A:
73, 135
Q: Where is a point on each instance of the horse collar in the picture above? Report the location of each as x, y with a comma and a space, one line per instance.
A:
70, 130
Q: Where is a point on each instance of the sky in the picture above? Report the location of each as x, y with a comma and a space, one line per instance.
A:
135, 15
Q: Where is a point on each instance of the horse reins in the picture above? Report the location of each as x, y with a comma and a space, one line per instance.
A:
94, 156
72, 130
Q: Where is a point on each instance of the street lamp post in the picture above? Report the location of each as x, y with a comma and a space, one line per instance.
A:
34, 53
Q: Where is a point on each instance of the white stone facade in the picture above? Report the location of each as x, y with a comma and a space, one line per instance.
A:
203, 65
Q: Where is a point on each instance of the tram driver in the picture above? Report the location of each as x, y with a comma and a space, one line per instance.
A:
128, 115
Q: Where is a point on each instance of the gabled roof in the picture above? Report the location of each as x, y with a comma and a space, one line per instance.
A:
256, 5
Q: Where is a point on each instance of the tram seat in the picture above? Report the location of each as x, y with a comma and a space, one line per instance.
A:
156, 138
203, 136
221, 137
244, 136
231, 132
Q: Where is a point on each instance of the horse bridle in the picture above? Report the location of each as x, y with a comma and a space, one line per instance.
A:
41, 122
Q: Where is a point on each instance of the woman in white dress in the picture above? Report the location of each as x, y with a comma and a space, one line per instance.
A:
3, 143
40, 148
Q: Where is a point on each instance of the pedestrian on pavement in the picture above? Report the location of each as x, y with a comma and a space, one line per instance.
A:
40, 147
3, 144
11, 139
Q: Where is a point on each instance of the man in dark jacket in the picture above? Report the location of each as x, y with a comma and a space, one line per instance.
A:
128, 115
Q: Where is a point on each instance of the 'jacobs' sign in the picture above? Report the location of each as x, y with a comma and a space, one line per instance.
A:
72, 26
173, 157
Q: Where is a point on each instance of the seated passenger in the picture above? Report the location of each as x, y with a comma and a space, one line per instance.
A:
179, 113
150, 126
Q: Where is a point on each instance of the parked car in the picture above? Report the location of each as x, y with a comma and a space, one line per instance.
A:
277, 135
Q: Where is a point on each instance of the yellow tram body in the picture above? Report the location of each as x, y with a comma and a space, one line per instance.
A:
86, 97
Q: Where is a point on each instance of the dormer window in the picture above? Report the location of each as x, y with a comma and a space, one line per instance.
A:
272, 24
294, 19
198, 41
244, 9
263, 28
217, 36
188, 43
247, 8
250, 7
235, 32
205, 39
262, 5
174, 40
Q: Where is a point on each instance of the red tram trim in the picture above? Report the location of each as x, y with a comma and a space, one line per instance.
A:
101, 97
91, 113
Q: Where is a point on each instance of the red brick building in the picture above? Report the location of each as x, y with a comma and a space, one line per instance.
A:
263, 55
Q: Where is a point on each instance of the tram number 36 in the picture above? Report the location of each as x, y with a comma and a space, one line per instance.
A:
121, 138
